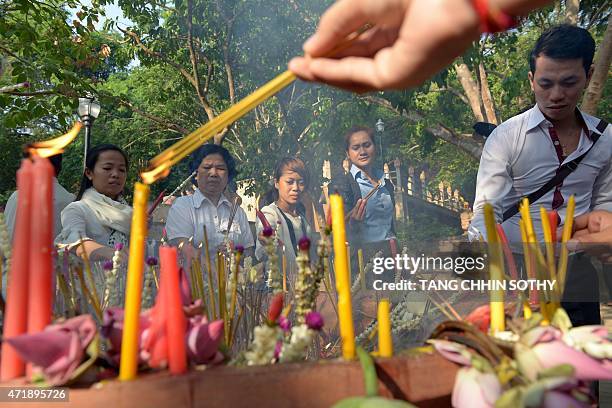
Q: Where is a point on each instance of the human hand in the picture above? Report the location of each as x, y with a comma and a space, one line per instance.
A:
411, 41
593, 234
358, 212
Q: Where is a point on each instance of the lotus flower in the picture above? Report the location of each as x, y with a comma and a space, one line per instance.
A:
543, 347
203, 340
185, 288
473, 387
550, 392
59, 349
112, 329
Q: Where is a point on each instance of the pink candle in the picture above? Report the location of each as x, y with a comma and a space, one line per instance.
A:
41, 246
15, 320
176, 325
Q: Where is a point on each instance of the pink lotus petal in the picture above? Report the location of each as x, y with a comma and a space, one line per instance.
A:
203, 340
474, 389
112, 329
555, 399
553, 353
59, 349
185, 288
455, 352
540, 334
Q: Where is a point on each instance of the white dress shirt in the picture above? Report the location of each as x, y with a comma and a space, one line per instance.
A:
189, 214
519, 157
61, 198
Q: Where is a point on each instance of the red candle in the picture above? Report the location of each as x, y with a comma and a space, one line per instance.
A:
393, 247
553, 219
41, 246
176, 325
15, 320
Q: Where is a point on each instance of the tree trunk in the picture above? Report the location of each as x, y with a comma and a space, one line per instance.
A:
470, 88
601, 67
571, 11
487, 99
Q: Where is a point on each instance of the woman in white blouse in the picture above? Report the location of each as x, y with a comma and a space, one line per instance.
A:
209, 207
286, 214
99, 215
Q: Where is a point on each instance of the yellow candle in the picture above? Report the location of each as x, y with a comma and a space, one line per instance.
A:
496, 271
133, 290
526, 309
361, 268
385, 342
345, 312
565, 236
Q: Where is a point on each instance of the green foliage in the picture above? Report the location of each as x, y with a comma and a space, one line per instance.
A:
147, 86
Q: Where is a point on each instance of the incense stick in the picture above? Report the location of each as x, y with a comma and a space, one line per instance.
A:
159, 166
233, 211
366, 198
565, 236
211, 290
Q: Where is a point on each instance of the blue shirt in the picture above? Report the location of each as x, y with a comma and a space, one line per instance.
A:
378, 220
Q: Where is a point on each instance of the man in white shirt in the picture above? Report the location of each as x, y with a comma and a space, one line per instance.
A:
528, 150
61, 198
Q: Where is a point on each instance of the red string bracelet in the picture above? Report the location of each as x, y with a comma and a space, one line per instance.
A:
492, 19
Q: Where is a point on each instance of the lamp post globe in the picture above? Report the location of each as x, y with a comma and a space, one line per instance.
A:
380, 129
88, 111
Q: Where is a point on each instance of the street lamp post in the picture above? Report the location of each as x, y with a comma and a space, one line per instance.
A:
88, 111
380, 128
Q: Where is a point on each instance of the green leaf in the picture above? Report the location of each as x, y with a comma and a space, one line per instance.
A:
369, 372
561, 370
513, 398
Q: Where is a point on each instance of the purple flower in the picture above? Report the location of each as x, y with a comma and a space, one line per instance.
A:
151, 261
304, 243
107, 265
239, 249
118, 246
277, 349
268, 232
284, 323
59, 349
314, 320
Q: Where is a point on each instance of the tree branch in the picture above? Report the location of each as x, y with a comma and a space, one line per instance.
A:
33, 93
194, 63
169, 125
464, 142
454, 91
226, 61
158, 55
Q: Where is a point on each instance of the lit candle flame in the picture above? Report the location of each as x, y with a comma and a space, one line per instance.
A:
48, 148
